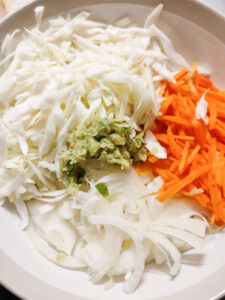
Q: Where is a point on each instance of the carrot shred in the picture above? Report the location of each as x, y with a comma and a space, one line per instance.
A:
174, 147
184, 158
176, 120
166, 104
193, 154
199, 131
195, 150
181, 74
174, 166
182, 183
165, 173
223, 173
212, 115
175, 136
195, 65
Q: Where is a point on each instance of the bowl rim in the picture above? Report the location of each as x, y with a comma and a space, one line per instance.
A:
207, 13
12, 276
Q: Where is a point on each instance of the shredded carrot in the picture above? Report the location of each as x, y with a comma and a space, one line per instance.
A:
166, 104
174, 147
212, 116
184, 158
165, 174
152, 159
176, 120
174, 166
181, 74
195, 65
182, 183
195, 150
199, 131
223, 173
193, 154
164, 139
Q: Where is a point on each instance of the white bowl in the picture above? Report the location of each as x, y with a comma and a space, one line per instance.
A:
198, 33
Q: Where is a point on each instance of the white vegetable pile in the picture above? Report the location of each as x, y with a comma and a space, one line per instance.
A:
53, 80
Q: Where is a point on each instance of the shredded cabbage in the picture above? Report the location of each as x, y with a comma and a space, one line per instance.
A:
154, 146
50, 82
201, 109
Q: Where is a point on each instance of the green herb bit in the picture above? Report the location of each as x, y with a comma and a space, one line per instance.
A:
102, 188
80, 174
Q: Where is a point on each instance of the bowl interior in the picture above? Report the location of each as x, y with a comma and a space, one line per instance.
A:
196, 43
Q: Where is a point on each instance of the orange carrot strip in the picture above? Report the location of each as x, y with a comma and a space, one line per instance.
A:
199, 131
182, 73
220, 124
195, 163
183, 158
163, 137
191, 105
169, 184
221, 147
218, 172
166, 104
174, 148
203, 199
167, 175
205, 82
193, 154
183, 182
195, 65
152, 159
174, 166
220, 133
212, 115
203, 183
176, 120
180, 143
143, 168
223, 173
216, 95
215, 193
212, 153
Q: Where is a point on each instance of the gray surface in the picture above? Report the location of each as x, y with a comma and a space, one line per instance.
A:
216, 4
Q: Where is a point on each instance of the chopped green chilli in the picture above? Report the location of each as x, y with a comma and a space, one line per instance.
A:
102, 188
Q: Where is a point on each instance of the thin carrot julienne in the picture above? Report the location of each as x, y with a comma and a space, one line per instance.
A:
182, 183
184, 158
